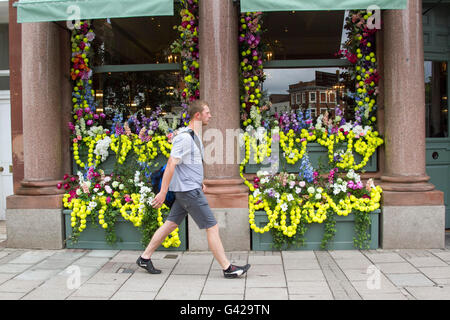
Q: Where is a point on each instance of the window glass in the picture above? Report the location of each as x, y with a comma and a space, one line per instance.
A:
436, 98
141, 40
128, 93
314, 84
303, 34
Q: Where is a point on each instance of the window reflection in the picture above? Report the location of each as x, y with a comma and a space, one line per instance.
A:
315, 89
436, 98
303, 34
139, 40
128, 93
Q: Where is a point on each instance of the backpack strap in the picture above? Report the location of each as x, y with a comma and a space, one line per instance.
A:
195, 138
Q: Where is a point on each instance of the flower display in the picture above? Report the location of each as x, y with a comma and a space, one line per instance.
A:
101, 198
251, 67
360, 50
187, 46
292, 201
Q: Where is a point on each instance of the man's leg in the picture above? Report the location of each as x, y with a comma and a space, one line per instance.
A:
158, 238
216, 247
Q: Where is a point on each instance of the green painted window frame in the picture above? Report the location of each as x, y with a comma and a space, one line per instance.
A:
443, 58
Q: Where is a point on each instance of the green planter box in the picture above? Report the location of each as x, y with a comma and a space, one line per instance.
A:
128, 236
343, 240
317, 154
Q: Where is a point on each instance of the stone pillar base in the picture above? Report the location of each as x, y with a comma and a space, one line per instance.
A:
233, 228
34, 228
413, 227
35, 222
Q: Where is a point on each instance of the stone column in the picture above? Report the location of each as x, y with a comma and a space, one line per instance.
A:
219, 86
34, 217
413, 212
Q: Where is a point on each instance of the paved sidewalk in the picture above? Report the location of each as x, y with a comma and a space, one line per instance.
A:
99, 274
75, 274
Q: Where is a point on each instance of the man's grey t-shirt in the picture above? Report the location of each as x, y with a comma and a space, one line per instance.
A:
188, 174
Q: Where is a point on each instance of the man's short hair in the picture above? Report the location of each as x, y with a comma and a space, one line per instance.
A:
196, 106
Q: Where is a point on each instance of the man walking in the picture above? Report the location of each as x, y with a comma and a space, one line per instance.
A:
184, 176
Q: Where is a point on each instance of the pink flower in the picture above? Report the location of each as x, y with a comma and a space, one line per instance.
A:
108, 189
108, 199
59, 185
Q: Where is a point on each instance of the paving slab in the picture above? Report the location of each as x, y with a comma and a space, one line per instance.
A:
266, 294
308, 288
182, 287
266, 276
31, 257
430, 293
104, 291
134, 295
410, 279
397, 267
436, 272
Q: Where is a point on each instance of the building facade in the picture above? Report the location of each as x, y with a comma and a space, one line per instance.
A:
414, 208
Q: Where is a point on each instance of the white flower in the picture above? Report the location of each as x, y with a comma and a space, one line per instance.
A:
277, 195
318, 196
311, 190
290, 197
350, 174
291, 184
102, 146
284, 207
256, 193
79, 192
137, 177
115, 184
336, 190
302, 184
319, 190
121, 186
298, 190
107, 179
92, 204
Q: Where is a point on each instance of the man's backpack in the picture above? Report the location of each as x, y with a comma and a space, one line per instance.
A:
157, 176
156, 179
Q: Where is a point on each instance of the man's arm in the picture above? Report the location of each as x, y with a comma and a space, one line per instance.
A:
167, 177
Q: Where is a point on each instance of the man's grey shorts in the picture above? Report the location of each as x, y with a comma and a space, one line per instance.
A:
193, 202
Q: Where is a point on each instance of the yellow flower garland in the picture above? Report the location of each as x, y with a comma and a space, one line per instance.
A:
312, 211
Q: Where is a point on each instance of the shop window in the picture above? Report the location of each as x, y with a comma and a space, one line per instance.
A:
4, 57
436, 98
302, 50
284, 80
135, 72
303, 35
140, 40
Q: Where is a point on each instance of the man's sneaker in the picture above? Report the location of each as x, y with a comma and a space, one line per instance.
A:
147, 265
235, 271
